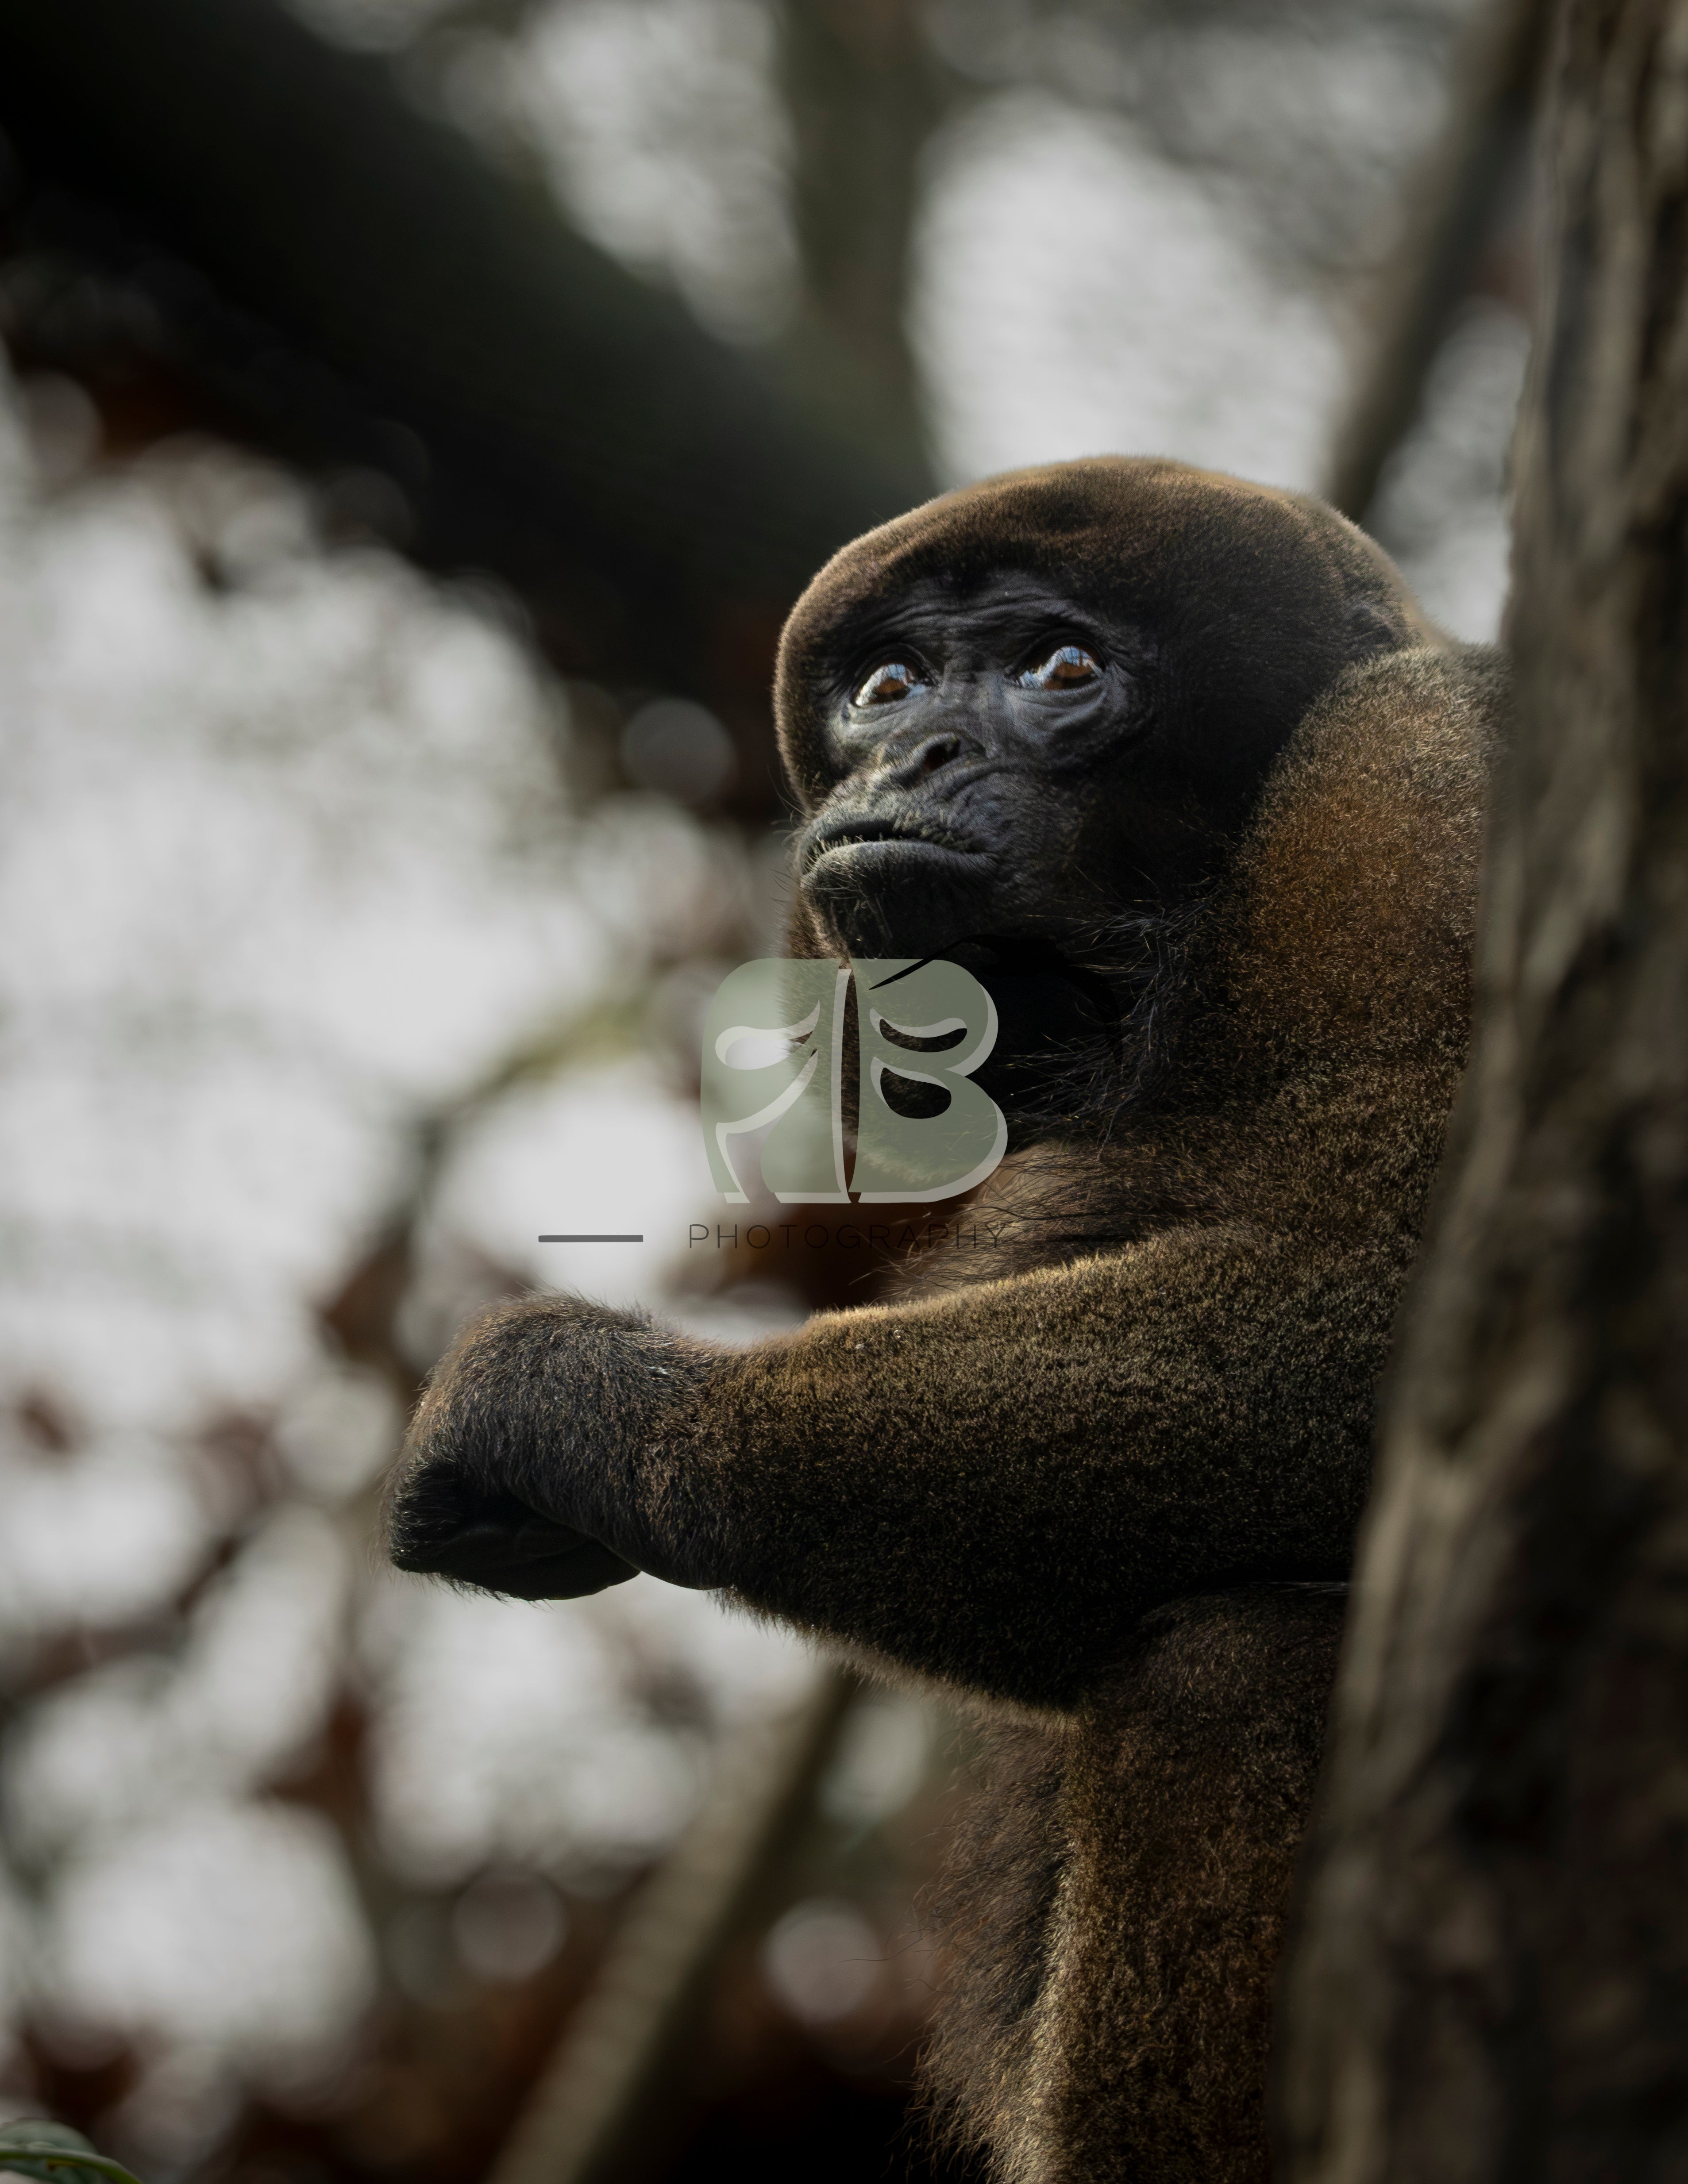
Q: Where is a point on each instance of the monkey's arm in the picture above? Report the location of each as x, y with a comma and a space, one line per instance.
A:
992, 1487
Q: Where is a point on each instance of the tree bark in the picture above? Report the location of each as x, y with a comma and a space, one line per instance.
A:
1491, 1981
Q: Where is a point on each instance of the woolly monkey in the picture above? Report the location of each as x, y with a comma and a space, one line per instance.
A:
1175, 766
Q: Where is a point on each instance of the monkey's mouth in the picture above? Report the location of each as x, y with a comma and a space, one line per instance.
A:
876, 838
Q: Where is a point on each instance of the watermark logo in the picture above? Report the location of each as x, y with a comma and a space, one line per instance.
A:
773, 1063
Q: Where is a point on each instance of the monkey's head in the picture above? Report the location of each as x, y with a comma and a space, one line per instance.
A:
1034, 708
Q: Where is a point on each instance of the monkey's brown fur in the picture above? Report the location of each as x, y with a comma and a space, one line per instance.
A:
1110, 1488
1115, 1903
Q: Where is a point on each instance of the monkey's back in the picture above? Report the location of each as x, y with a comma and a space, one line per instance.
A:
1115, 1902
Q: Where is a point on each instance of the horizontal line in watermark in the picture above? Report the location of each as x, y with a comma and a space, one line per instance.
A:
591, 1239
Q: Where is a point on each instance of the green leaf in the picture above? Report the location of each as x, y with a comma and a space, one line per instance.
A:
53, 2154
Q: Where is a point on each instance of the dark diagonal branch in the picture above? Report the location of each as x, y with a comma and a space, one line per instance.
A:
1451, 207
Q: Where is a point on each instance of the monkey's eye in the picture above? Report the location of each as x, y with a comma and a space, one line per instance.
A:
1066, 667
887, 684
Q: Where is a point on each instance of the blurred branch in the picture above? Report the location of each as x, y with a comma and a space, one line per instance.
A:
501, 15
363, 1314
1451, 204
865, 91
353, 282
603, 2111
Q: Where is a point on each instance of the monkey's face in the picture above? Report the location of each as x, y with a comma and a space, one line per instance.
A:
1030, 723
999, 766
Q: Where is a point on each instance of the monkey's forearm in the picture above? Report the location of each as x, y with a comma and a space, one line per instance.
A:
996, 1487
992, 1487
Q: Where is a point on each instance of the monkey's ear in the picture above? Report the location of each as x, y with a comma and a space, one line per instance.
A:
441, 1524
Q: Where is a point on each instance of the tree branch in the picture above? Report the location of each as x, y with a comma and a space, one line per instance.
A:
1450, 206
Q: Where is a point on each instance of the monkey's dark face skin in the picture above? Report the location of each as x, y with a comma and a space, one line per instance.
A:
996, 773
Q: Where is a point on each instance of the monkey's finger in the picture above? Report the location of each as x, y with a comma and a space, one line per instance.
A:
540, 1561
441, 1526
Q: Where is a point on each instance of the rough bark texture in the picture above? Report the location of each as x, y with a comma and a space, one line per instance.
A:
1492, 1977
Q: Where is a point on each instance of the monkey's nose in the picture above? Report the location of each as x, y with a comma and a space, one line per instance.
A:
907, 764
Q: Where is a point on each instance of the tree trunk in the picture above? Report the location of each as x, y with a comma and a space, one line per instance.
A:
1492, 1976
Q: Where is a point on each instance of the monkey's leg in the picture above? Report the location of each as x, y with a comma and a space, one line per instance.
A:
1186, 1790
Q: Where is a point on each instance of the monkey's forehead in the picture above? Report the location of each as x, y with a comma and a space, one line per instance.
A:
1226, 564
1105, 523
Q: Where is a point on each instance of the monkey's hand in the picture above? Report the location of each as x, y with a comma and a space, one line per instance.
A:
536, 1463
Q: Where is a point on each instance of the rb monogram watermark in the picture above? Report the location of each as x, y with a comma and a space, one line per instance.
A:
773, 1063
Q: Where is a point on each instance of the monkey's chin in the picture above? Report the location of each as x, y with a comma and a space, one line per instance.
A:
898, 898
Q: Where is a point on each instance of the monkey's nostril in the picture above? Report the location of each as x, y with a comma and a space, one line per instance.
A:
939, 754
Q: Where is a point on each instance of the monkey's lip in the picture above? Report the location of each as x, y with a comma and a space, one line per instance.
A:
877, 839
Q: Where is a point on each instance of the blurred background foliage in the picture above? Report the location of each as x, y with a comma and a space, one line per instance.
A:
419, 416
